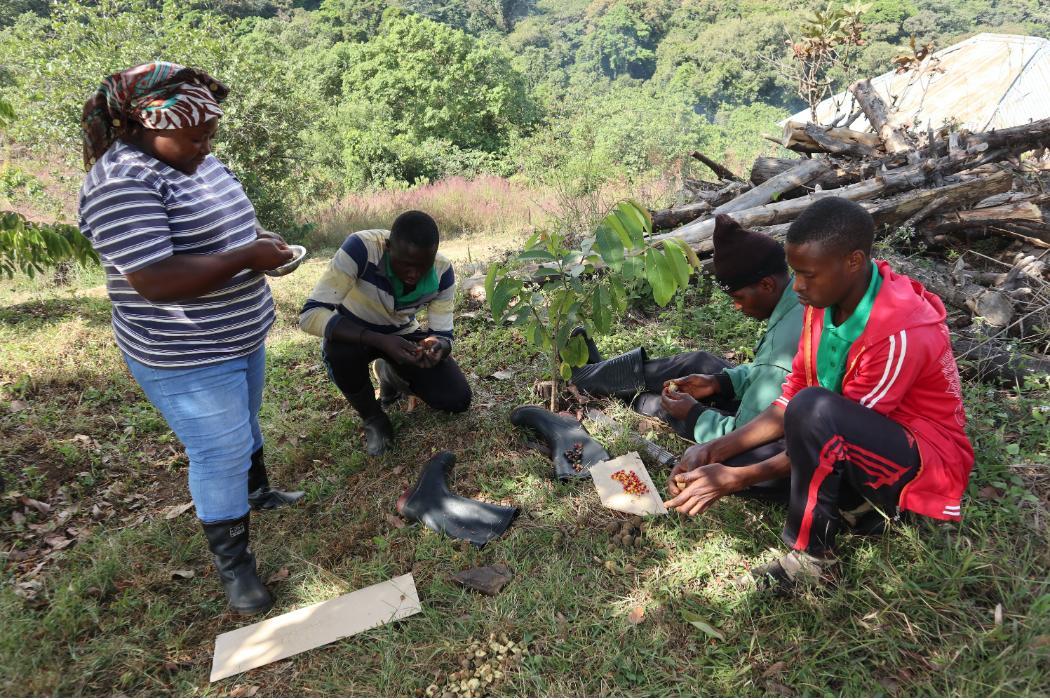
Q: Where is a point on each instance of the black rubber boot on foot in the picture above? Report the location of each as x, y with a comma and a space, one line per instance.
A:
622, 376
392, 387
235, 563
260, 495
379, 431
379, 434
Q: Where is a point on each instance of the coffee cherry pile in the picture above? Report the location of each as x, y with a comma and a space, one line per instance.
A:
630, 482
626, 533
485, 663
575, 456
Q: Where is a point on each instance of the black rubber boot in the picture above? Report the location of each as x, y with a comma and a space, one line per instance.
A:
379, 431
573, 450
622, 376
260, 495
228, 542
432, 503
392, 387
593, 355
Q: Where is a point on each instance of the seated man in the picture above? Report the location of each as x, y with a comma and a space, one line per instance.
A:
871, 414
713, 397
365, 306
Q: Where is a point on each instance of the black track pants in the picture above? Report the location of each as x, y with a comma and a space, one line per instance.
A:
840, 453
442, 387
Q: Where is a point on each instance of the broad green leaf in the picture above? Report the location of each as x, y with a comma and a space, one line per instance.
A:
609, 245
688, 251
702, 625
575, 351
535, 254
490, 280
661, 279
601, 312
635, 220
613, 221
679, 265
566, 371
633, 267
505, 290
618, 294
562, 336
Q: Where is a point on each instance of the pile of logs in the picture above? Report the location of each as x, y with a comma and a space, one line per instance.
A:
946, 189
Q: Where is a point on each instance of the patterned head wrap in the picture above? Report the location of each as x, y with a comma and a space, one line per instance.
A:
158, 95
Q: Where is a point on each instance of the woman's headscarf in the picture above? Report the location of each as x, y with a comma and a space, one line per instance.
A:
158, 95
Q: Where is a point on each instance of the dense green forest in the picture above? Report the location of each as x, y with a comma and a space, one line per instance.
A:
347, 95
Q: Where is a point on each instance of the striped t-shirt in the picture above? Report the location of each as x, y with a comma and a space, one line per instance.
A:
137, 211
356, 286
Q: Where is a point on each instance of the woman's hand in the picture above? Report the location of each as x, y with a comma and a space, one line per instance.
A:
268, 253
699, 386
260, 232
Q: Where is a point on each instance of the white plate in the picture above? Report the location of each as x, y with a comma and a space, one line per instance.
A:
300, 255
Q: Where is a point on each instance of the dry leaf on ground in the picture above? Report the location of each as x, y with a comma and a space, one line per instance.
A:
39, 506
176, 511
278, 576
636, 615
182, 574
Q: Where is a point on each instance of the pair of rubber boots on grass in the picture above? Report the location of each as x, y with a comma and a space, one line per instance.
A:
228, 541
379, 431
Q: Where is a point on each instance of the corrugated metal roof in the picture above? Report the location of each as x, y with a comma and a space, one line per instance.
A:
989, 81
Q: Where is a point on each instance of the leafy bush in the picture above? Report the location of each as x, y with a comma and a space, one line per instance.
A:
420, 97
29, 248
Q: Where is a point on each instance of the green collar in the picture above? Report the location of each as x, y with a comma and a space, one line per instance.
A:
427, 285
835, 341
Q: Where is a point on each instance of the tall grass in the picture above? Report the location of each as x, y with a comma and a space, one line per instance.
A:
483, 206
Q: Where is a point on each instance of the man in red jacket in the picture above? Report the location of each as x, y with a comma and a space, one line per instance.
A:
871, 413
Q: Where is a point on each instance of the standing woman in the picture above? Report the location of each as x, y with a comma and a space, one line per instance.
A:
183, 255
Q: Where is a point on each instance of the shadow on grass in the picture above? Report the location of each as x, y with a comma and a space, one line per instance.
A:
40, 313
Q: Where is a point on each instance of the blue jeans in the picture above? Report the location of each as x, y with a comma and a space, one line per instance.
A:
214, 411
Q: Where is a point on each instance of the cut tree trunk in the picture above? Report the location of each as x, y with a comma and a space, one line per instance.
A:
895, 137
889, 211
676, 216
806, 137
804, 172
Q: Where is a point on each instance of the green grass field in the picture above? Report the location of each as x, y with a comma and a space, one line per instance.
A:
89, 605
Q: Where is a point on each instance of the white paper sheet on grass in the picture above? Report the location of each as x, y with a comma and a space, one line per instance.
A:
611, 491
313, 626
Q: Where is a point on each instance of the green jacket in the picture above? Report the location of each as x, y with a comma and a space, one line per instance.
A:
757, 383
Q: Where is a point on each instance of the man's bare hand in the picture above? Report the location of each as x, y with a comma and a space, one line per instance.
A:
434, 349
699, 386
703, 486
695, 457
677, 403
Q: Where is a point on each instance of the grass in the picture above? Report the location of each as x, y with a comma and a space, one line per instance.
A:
462, 207
914, 613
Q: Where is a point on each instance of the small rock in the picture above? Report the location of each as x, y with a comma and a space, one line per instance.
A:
489, 580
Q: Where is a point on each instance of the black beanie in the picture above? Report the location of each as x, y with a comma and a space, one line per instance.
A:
744, 257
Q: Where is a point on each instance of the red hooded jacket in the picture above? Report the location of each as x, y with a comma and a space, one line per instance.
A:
902, 367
